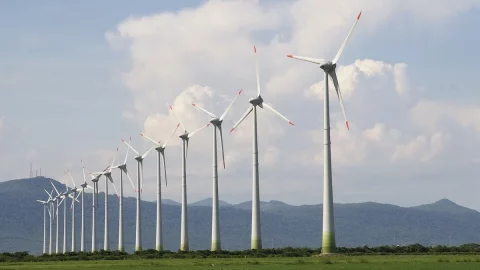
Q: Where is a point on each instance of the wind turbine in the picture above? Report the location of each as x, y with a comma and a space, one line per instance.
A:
256, 238
108, 177
50, 213
94, 205
328, 235
84, 185
123, 169
217, 124
44, 203
74, 198
56, 199
160, 153
185, 136
139, 158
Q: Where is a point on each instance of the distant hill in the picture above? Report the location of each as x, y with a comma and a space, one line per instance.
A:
446, 206
358, 224
208, 202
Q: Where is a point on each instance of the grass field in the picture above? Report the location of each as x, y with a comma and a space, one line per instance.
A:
450, 262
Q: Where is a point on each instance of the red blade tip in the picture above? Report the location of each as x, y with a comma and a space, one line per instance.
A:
170, 107
289, 55
123, 140
291, 123
193, 104
254, 49
239, 92
348, 127
231, 130
359, 14
178, 124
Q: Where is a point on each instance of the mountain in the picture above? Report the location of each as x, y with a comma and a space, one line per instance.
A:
445, 206
208, 202
357, 224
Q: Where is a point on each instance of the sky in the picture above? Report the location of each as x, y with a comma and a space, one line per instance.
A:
77, 77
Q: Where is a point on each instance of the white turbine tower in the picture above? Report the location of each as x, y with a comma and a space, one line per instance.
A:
185, 136
94, 206
139, 158
84, 185
50, 212
44, 203
160, 154
217, 124
123, 169
56, 199
328, 235
256, 238
108, 177
73, 195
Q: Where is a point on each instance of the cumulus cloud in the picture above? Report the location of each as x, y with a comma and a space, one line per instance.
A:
204, 55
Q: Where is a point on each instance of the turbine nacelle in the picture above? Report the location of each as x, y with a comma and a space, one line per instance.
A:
139, 158
328, 66
184, 136
257, 101
216, 121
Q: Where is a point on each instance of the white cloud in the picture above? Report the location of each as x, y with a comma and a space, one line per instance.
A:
204, 55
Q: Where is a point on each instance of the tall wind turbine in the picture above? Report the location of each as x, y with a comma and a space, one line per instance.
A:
108, 177
73, 195
256, 238
50, 213
185, 136
94, 206
44, 203
84, 185
217, 124
328, 235
160, 154
58, 203
139, 158
123, 169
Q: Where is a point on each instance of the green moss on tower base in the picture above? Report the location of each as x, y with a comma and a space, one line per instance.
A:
328, 243
256, 244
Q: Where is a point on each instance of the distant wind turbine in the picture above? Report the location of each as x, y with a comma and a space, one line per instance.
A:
217, 124
185, 136
328, 235
139, 158
108, 177
160, 154
50, 213
256, 238
123, 169
44, 204
84, 186
94, 206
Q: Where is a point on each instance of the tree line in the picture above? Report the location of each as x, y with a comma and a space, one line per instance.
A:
415, 249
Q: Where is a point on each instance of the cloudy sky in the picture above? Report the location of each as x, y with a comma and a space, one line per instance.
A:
76, 78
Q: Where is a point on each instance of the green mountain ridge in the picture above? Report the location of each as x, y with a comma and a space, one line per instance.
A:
357, 224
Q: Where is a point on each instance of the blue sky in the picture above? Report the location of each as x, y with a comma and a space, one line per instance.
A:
76, 77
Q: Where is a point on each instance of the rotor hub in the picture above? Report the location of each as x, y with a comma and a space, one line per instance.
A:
256, 101
184, 136
216, 121
328, 66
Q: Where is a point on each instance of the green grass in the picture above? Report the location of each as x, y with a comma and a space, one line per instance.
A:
393, 262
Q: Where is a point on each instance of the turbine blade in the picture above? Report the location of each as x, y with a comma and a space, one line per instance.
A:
221, 143
340, 51
141, 179
333, 75
256, 70
128, 150
150, 139
193, 133
279, 114
174, 114
41, 201
307, 59
229, 106
186, 149
113, 184
90, 187
83, 170
173, 133
55, 188
148, 151
71, 178
164, 168
78, 195
129, 146
49, 196
205, 111
249, 110
113, 160
128, 176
